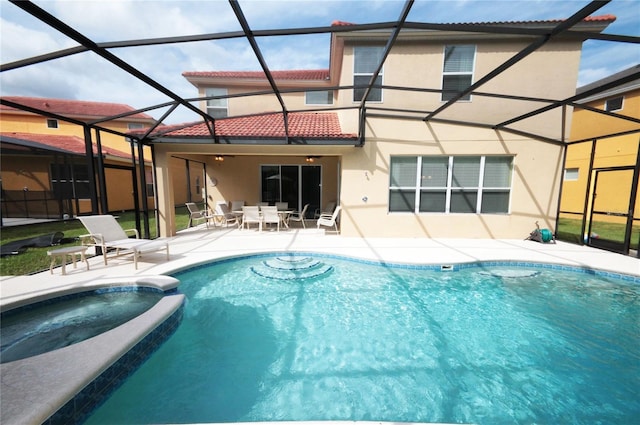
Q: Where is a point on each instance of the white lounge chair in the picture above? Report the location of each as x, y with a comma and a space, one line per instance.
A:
328, 210
251, 215
107, 234
299, 216
329, 220
226, 216
270, 216
237, 205
196, 213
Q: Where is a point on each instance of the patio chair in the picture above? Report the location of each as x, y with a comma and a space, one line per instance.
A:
329, 220
251, 215
237, 205
107, 234
270, 216
328, 210
299, 216
197, 214
282, 206
226, 216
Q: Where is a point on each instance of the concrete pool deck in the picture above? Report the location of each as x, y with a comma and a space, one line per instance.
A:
199, 244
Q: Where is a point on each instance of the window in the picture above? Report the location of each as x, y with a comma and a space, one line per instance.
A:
614, 104
70, 181
365, 62
51, 123
450, 184
457, 73
217, 108
324, 97
571, 174
134, 125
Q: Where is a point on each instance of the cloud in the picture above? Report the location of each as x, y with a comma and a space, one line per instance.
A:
86, 76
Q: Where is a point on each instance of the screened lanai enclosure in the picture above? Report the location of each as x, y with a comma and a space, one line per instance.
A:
297, 183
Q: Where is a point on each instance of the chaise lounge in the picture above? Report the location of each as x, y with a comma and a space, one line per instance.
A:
107, 234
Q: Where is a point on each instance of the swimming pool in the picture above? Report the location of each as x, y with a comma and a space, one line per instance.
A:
337, 339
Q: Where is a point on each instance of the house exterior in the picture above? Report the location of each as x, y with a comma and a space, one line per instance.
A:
44, 171
601, 165
419, 158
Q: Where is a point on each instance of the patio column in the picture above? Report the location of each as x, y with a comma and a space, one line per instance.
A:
165, 198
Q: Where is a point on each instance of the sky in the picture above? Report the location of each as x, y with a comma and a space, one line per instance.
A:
86, 76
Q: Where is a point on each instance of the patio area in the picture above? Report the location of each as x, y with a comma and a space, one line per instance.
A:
199, 244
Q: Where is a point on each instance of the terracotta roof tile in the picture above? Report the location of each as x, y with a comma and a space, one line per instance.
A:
304, 74
74, 108
70, 144
301, 124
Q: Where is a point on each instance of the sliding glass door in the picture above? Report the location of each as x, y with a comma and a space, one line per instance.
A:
297, 185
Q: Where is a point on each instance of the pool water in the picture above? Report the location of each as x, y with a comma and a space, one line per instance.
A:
67, 320
335, 339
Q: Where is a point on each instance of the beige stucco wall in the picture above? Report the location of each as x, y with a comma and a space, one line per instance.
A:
420, 65
365, 173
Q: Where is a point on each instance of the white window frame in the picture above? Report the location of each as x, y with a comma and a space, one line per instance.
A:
329, 94
134, 125
470, 73
53, 123
224, 104
367, 74
610, 109
571, 174
418, 188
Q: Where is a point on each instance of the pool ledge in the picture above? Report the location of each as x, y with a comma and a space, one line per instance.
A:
35, 388
161, 282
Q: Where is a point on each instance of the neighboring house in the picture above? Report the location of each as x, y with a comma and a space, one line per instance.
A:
421, 158
44, 169
600, 185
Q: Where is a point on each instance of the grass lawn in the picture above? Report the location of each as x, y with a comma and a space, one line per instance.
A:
569, 230
35, 260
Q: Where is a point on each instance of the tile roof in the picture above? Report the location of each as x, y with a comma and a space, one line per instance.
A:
309, 125
303, 74
74, 108
599, 18
69, 144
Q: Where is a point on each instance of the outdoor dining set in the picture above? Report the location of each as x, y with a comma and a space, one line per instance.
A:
245, 216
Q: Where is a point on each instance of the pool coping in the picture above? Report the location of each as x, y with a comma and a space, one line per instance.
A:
35, 388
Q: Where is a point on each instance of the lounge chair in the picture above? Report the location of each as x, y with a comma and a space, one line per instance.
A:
299, 216
251, 215
237, 205
270, 216
329, 220
197, 214
105, 233
226, 216
328, 210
